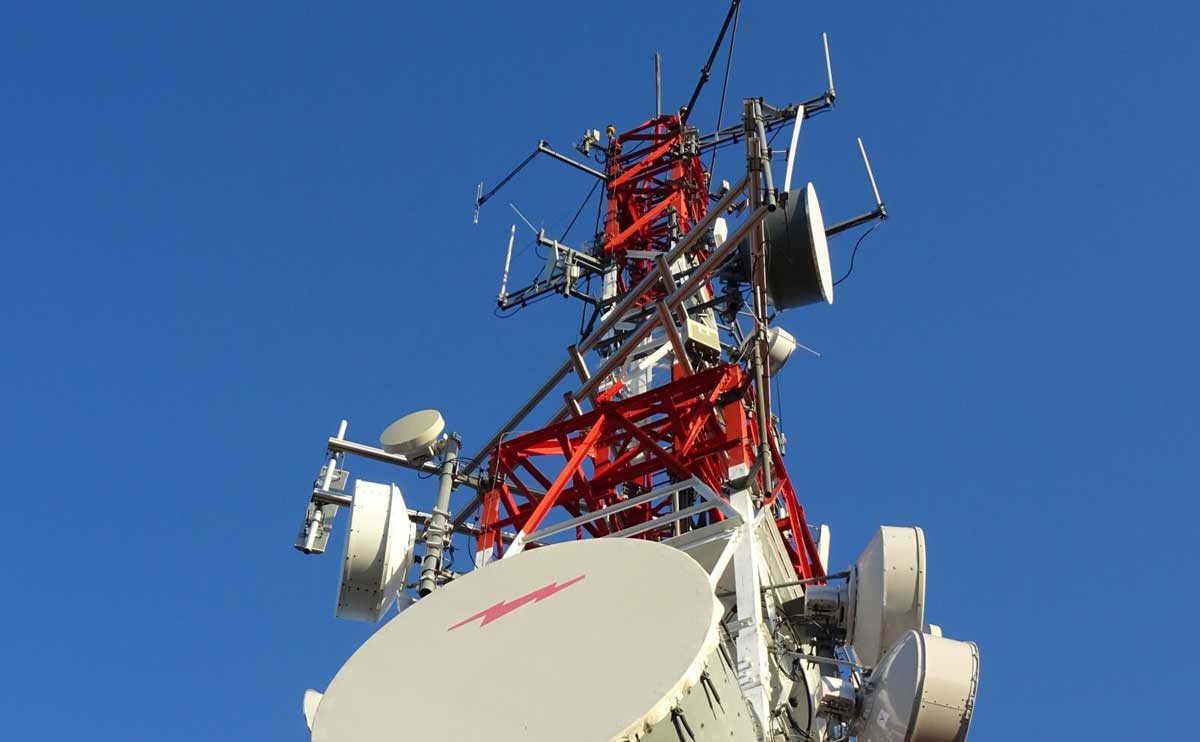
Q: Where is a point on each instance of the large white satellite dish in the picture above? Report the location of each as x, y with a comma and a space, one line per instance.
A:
887, 591
603, 639
413, 435
379, 550
922, 691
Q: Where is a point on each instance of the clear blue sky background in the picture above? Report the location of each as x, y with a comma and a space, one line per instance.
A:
225, 226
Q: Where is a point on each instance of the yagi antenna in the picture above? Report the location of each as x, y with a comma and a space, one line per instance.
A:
879, 212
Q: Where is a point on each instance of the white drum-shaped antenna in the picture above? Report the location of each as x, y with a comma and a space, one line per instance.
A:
379, 551
887, 591
413, 435
780, 346
588, 641
922, 691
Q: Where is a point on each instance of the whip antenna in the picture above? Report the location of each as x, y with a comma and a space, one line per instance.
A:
871, 176
512, 233
829, 91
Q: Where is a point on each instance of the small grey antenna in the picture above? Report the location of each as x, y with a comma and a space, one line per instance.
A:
829, 92
512, 233
657, 85
478, 201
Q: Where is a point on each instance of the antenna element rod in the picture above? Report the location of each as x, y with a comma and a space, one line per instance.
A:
870, 175
828, 66
657, 85
543, 147
791, 158
512, 233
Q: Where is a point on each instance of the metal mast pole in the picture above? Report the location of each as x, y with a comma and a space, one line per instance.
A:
758, 167
438, 529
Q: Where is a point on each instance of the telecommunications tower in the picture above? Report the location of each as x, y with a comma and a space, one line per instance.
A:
642, 566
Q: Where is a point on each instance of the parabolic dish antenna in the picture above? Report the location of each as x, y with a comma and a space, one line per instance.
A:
922, 691
588, 641
887, 591
798, 271
379, 551
413, 435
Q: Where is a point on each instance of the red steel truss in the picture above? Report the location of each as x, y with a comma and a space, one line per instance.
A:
698, 426
657, 191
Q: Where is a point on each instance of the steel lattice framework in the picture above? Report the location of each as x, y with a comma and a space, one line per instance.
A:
669, 460
657, 191
696, 429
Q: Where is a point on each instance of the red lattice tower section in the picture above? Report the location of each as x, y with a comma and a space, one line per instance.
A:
657, 191
693, 432
698, 427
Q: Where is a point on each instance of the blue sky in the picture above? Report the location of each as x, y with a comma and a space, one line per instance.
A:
226, 226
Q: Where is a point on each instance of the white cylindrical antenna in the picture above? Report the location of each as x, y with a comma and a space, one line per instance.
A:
314, 529
791, 156
331, 467
870, 175
828, 65
330, 470
512, 233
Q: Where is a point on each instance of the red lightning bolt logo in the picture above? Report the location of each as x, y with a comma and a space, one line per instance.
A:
505, 607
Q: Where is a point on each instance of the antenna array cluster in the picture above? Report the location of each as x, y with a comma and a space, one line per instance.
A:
664, 433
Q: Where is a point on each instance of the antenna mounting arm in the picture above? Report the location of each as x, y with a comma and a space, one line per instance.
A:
542, 147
